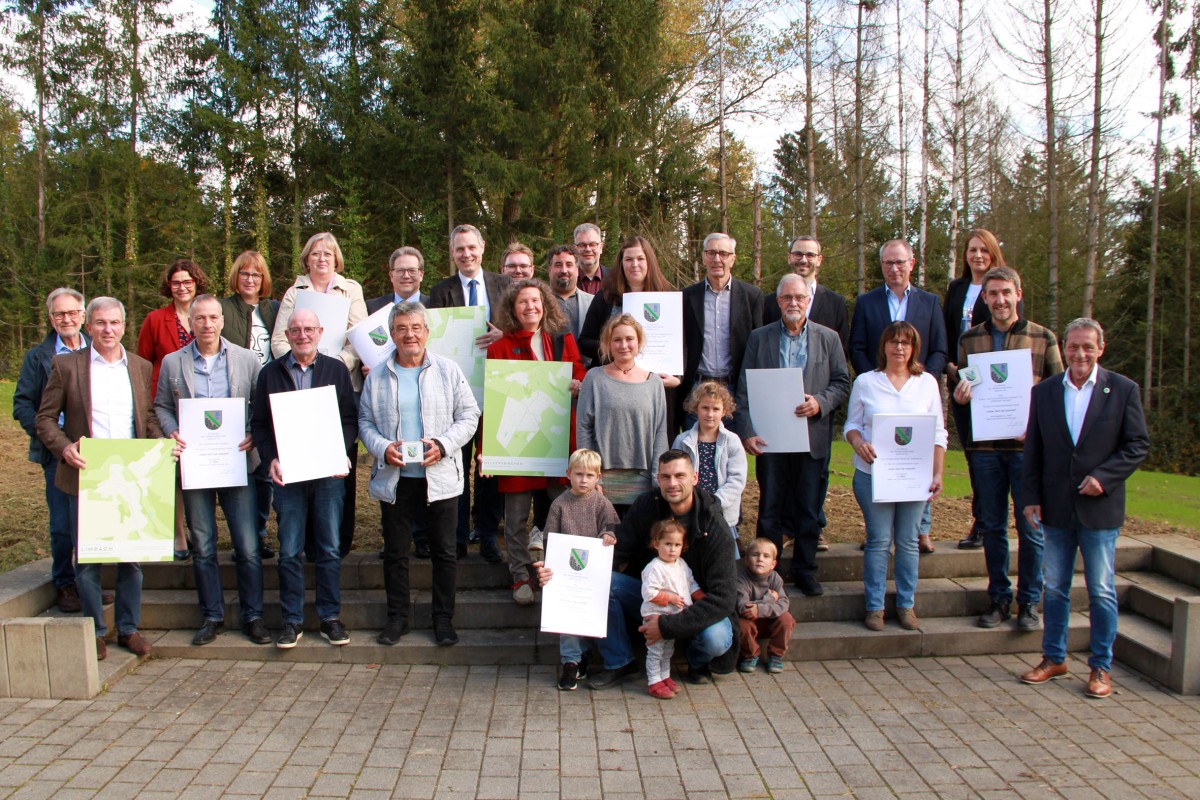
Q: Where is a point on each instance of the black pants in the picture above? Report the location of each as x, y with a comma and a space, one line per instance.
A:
440, 520
489, 504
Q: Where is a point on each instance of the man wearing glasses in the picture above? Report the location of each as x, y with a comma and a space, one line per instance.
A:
66, 319
718, 314
406, 270
896, 300
589, 246
827, 307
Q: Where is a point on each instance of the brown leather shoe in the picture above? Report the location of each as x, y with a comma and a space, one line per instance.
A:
107, 598
908, 619
1045, 671
874, 620
135, 644
1099, 684
101, 649
68, 599
925, 544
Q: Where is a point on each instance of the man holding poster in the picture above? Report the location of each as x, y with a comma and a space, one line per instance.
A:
320, 498
103, 393
792, 485
212, 368
996, 464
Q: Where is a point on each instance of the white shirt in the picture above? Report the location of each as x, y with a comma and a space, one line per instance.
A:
112, 398
898, 306
874, 394
481, 294
1076, 401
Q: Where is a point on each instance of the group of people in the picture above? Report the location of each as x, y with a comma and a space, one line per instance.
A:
672, 511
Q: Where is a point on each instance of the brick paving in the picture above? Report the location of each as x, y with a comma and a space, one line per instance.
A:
919, 728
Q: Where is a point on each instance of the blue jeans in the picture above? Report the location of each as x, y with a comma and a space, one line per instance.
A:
1099, 547
127, 611
295, 503
624, 605
238, 503
998, 474
789, 502
62, 529
888, 523
571, 648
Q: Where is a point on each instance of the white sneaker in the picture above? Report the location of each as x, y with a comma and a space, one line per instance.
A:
523, 593
537, 540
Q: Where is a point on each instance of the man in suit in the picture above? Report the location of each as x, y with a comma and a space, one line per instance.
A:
516, 262
102, 392
1086, 436
471, 285
792, 485
827, 307
563, 271
718, 314
317, 501
898, 299
213, 367
406, 270
66, 320
589, 248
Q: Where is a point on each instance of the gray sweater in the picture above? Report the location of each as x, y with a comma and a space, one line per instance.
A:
626, 423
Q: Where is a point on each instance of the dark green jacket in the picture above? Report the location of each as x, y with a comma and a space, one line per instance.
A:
237, 318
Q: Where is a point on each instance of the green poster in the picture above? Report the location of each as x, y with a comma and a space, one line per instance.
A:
126, 500
527, 427
452, 334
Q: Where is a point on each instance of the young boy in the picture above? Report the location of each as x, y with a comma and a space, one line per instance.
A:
762, 605
582, 511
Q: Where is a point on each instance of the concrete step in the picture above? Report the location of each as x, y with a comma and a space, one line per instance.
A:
1144, 645
1153, 595
1177, 557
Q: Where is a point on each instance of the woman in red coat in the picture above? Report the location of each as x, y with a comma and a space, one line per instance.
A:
535, 329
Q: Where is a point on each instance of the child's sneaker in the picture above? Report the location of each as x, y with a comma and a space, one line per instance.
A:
748, 664
660, 690
568, 681
672, 685
537, 542
775, 665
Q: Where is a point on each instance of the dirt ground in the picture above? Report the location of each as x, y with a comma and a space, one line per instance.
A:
23, 522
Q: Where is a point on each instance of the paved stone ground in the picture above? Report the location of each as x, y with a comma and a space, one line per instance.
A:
935, 727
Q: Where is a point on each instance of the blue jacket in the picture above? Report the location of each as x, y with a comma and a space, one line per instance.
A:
35, 371
871, 317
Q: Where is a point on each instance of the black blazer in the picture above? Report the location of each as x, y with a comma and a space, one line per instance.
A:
828, 309
952, 313
449, 293
589, 330
1112, 443
745, 314
871, 317
376, 303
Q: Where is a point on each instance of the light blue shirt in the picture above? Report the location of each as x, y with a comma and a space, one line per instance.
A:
214, 381
61, 349
793, 350
714, 355
898, 306
408, 400
416, 298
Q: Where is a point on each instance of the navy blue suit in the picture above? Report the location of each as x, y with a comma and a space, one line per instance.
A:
871, 316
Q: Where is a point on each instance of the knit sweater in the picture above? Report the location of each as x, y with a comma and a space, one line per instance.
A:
753, 588
626, 423
589, 515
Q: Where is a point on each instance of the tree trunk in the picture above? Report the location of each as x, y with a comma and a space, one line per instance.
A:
1148, 378
956, 145
922, 261
1093, 209
900, 126
860, 226
757, 234
1051, 167
809, 136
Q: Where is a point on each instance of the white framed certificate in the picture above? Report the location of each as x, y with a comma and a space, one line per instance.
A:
308, 434
126, 500
661, 316
903, 466
1000, 401
774, 395
333, 311
371, 338
575, 601
212, 428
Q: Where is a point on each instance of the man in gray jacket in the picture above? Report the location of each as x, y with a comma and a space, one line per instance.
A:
415, 415
792, 485
213, 367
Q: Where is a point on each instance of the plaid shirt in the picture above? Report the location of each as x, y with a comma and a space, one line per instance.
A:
1043, 349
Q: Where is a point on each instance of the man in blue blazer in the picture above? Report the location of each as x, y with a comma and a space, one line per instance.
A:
1086, 436
792, 486
406, 270
896, 300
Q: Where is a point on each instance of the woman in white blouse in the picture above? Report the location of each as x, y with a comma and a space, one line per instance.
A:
898, 386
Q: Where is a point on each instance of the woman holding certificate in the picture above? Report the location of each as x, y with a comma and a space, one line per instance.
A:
899, 385
535, 329
622, 413
323, 263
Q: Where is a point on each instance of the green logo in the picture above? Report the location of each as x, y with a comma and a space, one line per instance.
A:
652, 311
904, 436
999, 373
379, 337
212, 420
579, 559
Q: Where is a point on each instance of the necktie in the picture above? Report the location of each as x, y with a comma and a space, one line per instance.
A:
473, 299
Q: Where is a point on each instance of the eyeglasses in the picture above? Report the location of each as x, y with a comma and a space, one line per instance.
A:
896, 264
303, 331
405, 330
718, 253
250, 276
406, 271
73, 314
587, 245
181, 284
788, 298
802, 254
901, 344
